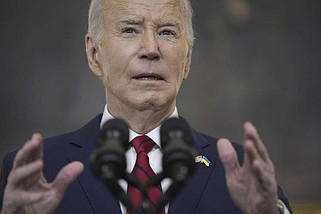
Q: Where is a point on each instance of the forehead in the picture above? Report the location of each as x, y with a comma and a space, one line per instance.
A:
144, 9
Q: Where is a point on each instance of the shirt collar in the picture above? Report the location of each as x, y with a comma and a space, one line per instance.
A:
153, 134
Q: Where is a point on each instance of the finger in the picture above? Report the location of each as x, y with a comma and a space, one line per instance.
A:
252, 134
38, 153
24, 198
67, 175
31, 150
263, 170
25, 175
228, 156
265, 175
251, 152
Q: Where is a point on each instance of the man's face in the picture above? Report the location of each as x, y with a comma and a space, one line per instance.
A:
144, 55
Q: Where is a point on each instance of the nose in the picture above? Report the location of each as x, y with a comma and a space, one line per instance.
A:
149, 47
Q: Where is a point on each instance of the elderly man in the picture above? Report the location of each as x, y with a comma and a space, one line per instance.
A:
141, 50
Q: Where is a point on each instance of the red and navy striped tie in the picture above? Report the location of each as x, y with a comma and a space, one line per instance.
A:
143, 171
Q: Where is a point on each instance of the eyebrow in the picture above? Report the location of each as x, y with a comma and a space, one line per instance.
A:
169, 23
139, 21
131, 21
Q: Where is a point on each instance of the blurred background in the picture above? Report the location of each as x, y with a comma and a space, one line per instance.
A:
252, 60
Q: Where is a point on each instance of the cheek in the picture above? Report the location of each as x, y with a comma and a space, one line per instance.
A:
112, 64
120, 56
179, 63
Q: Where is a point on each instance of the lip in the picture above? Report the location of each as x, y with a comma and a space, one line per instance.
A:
148, 77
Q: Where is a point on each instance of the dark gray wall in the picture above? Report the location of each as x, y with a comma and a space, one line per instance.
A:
253, 60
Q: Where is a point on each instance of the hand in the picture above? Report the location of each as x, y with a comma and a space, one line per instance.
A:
27, 190
252, 186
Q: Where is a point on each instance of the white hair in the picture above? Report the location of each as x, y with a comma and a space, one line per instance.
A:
96, 21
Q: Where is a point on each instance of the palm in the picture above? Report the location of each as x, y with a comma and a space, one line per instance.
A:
47, 204
49, 201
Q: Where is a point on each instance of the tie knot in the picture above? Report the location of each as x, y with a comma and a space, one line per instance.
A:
143, 144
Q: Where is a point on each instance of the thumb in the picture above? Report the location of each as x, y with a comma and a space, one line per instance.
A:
67, 175
227, 155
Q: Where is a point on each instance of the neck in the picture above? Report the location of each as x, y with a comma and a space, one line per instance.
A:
141, 120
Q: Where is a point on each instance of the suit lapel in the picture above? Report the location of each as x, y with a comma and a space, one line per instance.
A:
100, 199
188, 200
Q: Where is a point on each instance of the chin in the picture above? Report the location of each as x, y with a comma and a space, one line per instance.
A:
148, 99
155, 103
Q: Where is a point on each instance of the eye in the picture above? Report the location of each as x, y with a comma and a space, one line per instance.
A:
167, 33
129, 31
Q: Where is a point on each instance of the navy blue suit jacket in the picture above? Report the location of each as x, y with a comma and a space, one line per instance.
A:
206, 192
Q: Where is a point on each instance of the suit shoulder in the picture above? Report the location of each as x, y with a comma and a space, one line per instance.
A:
90, 127
211, 139
203, 140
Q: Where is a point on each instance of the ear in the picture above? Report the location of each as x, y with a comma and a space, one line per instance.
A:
188, 63
92, 56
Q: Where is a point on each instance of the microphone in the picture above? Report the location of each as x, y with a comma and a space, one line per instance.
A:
108, 161
178, 153
178, 157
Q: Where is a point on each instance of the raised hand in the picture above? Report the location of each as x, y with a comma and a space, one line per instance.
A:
27, 190
252, 186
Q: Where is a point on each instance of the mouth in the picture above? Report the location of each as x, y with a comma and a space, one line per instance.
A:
148, 77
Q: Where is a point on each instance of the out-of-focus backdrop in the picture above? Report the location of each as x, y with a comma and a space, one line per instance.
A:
253, 60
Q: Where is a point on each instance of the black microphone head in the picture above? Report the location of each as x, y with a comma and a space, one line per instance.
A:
114, 129
175, 128
108, 160
178, 153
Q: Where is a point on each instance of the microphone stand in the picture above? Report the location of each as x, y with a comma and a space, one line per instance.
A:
121, 195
